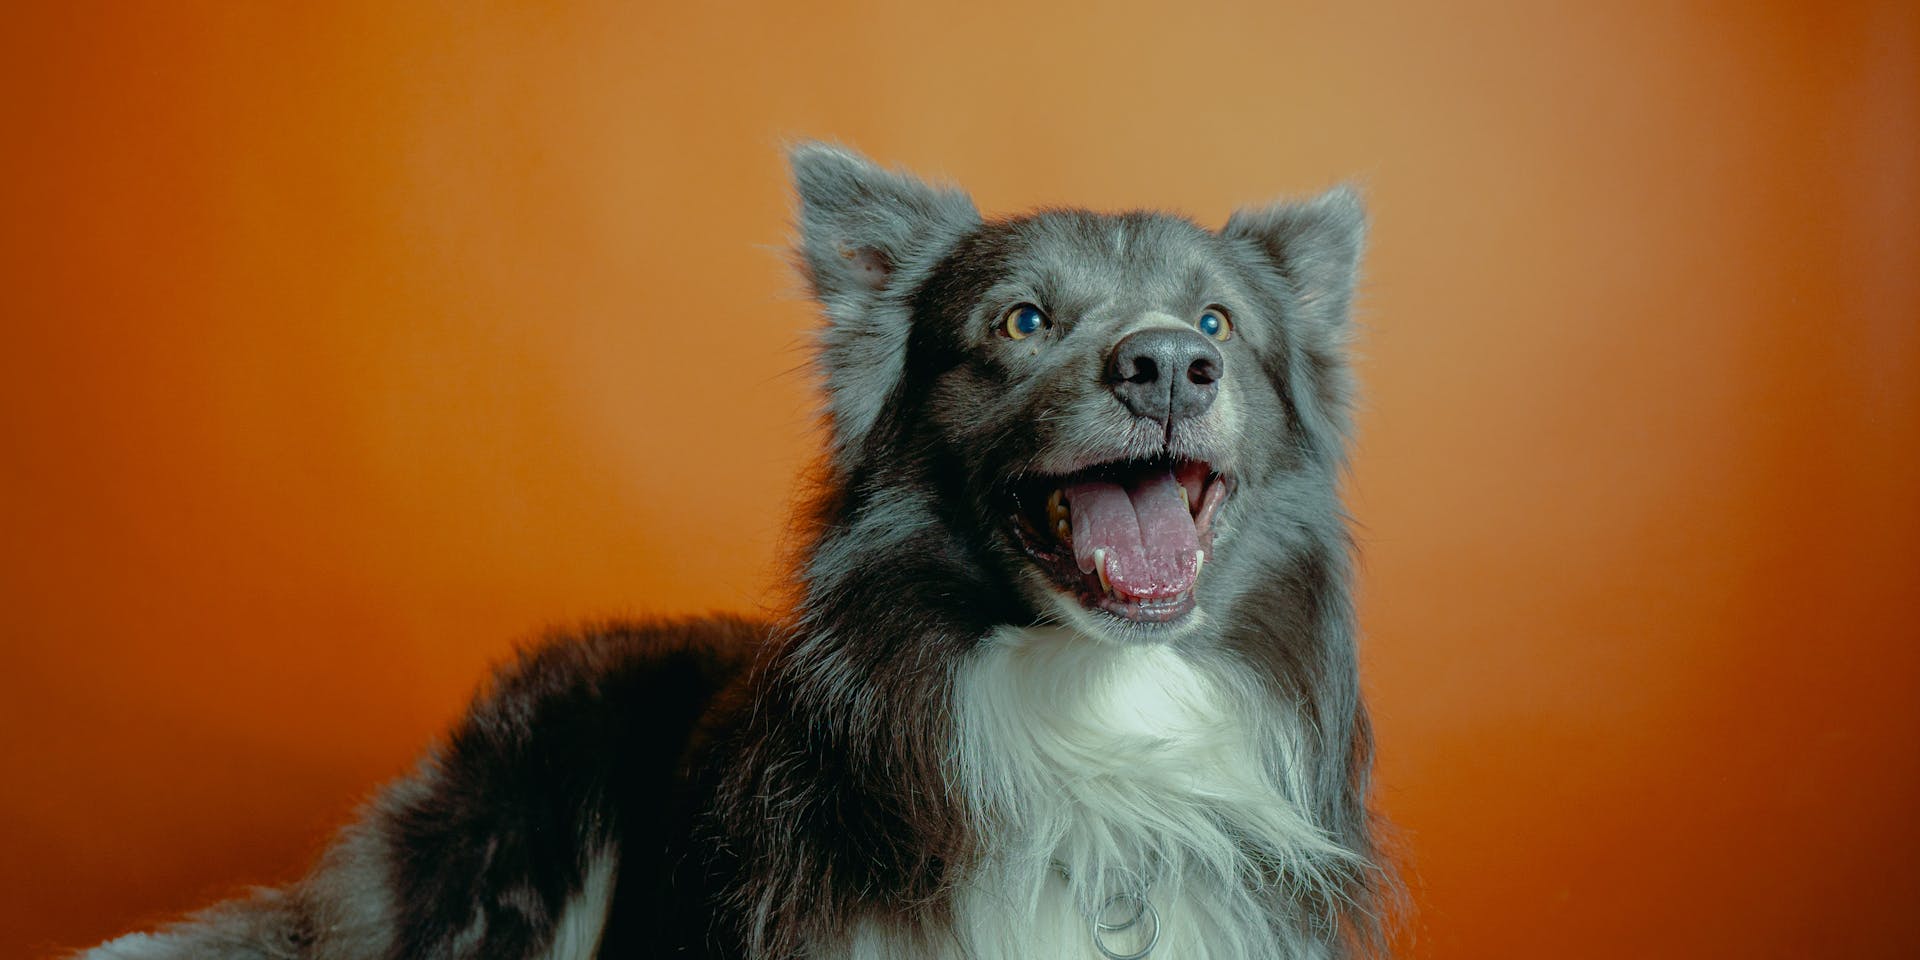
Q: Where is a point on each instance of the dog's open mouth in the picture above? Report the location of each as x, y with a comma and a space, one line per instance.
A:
1129, 538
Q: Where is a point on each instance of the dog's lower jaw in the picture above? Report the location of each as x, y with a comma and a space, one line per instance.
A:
1095, 626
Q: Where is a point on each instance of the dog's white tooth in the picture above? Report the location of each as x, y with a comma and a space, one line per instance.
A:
1060, 527
1199, 560
1100, 564
1185, 499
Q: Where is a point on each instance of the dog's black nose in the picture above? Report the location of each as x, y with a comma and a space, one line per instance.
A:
1165, 373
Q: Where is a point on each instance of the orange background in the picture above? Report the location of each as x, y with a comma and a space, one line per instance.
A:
343, 347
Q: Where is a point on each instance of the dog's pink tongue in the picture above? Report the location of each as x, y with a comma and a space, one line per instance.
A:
1144, 526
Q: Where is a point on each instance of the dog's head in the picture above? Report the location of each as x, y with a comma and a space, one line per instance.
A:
1133, 419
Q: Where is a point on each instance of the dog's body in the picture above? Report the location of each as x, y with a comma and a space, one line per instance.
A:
1008, 718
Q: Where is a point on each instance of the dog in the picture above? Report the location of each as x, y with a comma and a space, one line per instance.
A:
1071, 665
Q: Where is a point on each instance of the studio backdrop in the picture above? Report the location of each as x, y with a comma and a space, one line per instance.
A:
342, 346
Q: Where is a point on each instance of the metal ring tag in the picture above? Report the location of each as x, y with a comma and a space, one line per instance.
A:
1144, 912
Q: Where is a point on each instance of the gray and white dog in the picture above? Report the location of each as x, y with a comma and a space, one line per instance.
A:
1071, 670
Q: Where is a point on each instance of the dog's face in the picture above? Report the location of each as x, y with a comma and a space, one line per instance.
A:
1121, 409
1108, 378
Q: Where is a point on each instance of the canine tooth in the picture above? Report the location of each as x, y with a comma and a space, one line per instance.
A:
1060, 527
1100, 564
1199, 560
1185, 500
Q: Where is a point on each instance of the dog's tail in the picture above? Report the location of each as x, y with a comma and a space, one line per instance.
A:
255, 929
344, 909
351, 909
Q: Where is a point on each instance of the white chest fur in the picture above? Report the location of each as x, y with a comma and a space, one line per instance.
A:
1094, 770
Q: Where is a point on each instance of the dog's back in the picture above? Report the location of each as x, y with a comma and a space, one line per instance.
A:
569, 788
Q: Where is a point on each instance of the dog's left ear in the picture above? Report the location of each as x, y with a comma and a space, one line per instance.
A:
867, 236
1314, 245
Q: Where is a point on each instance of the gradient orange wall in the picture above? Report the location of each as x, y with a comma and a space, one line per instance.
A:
340, 348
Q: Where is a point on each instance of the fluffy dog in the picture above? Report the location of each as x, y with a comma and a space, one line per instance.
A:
1071, 670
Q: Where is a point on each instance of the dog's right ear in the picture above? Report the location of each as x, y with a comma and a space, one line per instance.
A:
859, 223
867, 236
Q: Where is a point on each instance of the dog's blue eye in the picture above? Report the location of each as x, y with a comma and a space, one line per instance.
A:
1214, 323
1023, 321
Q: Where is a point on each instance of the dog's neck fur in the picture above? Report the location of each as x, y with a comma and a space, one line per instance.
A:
1091, 769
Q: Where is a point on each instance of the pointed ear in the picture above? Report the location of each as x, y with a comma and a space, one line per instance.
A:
1314, 246
861, 224
868, 238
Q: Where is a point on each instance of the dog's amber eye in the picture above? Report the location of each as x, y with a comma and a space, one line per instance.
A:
1214, 323
1023, 321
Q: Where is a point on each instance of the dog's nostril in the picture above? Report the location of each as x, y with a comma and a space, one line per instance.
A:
1164, 373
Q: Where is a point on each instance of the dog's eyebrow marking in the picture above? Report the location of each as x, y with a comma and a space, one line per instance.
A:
1198, 284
